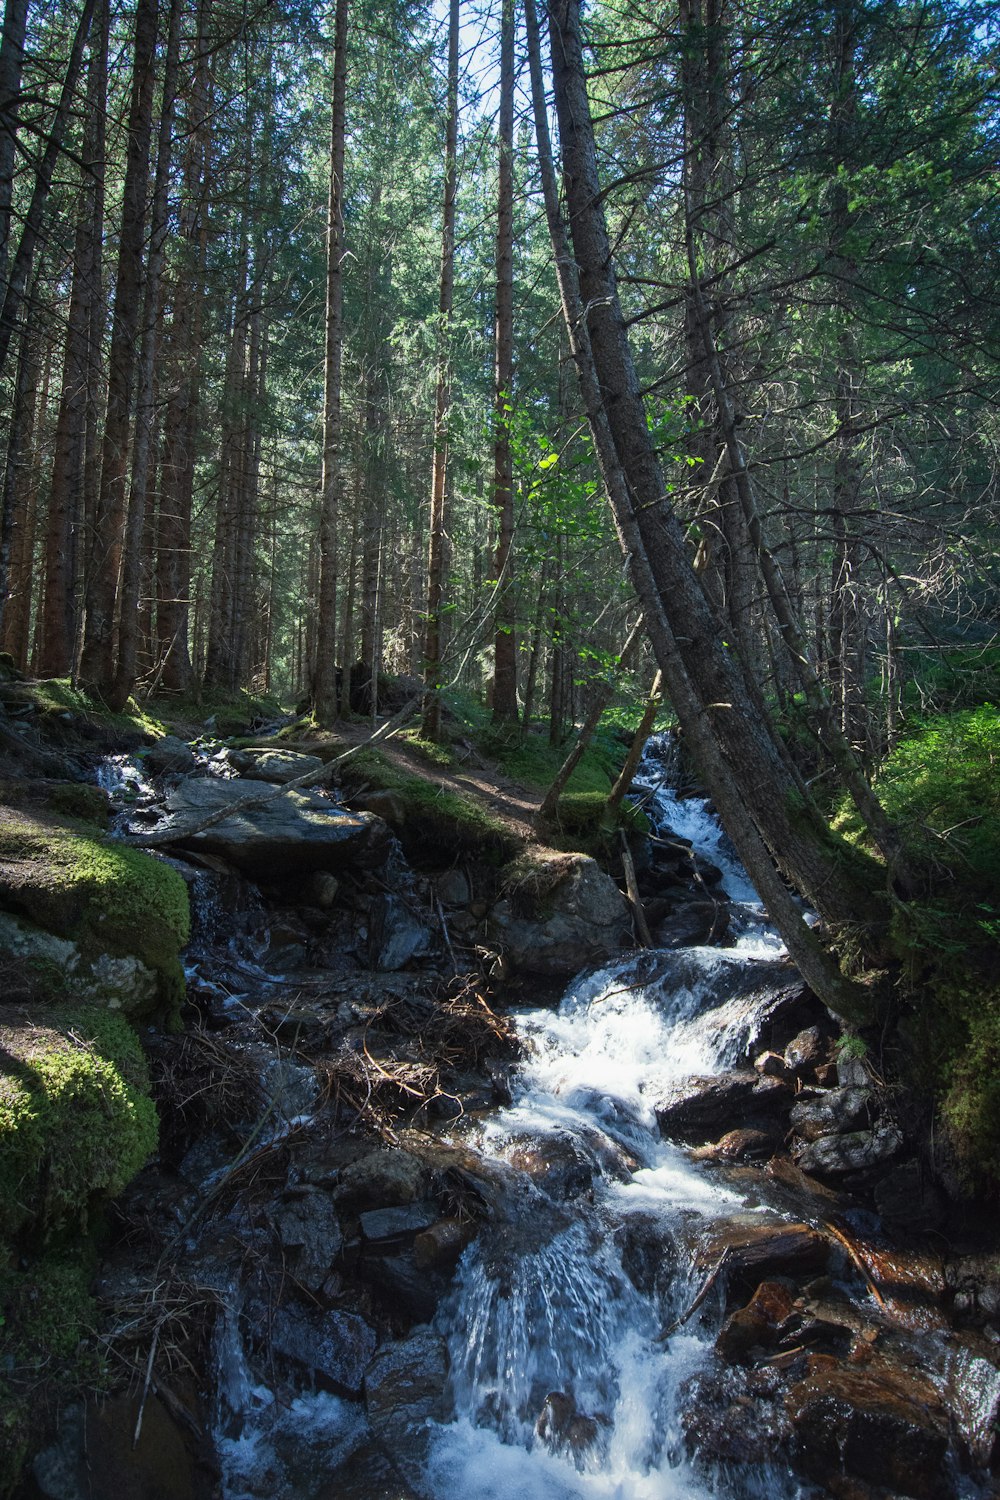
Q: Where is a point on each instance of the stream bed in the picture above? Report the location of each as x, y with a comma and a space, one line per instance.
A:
588, 1342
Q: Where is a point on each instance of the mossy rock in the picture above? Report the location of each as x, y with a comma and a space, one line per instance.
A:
432, 824
584, 824
76, 1118
106, 898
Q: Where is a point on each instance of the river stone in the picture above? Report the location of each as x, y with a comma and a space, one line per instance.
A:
757, 1327
883, 1426
391, 1226
583, 919
170, 756
760, 1252
335, 1347
395, 933
453, 888
310, 1229
405, 1387
836, 1112
700, 1107
835, 1155
294, 833
278, 766
805, 1051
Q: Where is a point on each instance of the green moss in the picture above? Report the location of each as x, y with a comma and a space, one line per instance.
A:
103, 895
436, 823
57, 695
76, 1119
428, 750
79, 800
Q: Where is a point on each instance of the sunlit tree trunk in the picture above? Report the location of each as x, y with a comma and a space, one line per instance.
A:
505, 643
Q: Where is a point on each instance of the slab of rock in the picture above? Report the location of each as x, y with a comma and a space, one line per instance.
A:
395, 933
169, 756
309, 1228
335, 1347
836, 1155
704, 1107
882, 1426
278, 766
294, 833
406, 1387
581, 919
761, 1252
838, 1111
392, 1226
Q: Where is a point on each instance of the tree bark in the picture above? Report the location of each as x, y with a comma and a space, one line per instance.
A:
437, 547
505, 644
325, 675
105, 544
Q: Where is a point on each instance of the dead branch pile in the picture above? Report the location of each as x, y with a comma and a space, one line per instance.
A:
413, 1053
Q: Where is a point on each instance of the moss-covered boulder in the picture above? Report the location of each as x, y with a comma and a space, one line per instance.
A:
110, 902
76, 1119
558, 913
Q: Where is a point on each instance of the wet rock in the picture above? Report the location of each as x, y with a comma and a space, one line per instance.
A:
310, 1229
440, 1247
837, 1111
852, 1072
395, 933
453, 888
735, 1416
701, 1107
406, 1388
322, 889
407, 1293
386, 1177
384, 804
388, 1227
563, 1427
170, 756
761, 1252
836, 1155
759, 1325
805, 1051
741, 1145
648, 1253
883, 1426
771, 1065
369, 1474
556, 1163
334, 1346
581, 917
691, 923
296, 832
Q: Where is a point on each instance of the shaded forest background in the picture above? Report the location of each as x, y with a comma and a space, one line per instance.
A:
164, 235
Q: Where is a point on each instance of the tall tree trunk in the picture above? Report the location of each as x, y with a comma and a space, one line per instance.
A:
760, 806
105, 545
145, 413
15, 21
66, 517
31, 231
325, 680
218, 652
436, 563
505, 645
17, 527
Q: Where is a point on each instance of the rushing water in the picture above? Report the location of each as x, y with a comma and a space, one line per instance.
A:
537, 1316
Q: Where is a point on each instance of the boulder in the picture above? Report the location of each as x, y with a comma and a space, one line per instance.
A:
757, 1327
406, 1388
395, 933
310, 1230
170, 756
293, 833
747, 1144
335, 1347
805, 1052
881, 1425
277, 766
561, 916
703, 1107
692, 921
760, 1252
835, 1112
556, 1163
124, 983
835, 1155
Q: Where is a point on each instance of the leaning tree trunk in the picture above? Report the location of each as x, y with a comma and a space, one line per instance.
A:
736, 753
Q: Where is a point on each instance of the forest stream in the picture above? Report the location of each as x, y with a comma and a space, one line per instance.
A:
561, 1295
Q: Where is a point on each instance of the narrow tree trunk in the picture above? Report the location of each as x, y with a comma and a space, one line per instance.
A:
436, 563
17, 536
505, 645
325, 678
638, 745
15, 20
145, 416
97, 660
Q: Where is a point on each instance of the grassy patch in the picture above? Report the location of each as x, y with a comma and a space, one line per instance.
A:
435, 823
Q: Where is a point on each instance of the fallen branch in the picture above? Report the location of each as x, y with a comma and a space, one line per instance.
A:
161, 838
661, 1338
856, 1258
